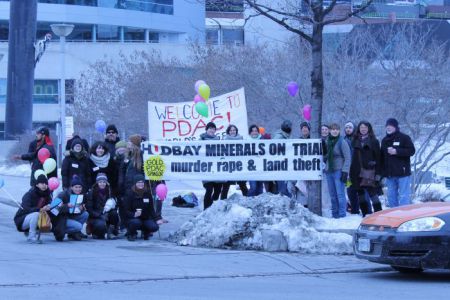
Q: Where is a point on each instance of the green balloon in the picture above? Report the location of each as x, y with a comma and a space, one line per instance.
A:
202, 109
204, 91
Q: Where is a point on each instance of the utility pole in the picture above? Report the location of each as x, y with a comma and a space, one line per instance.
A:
21, 61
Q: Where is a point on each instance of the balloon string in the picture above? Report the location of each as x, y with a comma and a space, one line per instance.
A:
11, 197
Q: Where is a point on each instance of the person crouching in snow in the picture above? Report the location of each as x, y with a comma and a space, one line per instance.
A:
75, 214
103, 217
140, 210
35, 200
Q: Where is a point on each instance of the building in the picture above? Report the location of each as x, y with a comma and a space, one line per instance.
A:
103, 28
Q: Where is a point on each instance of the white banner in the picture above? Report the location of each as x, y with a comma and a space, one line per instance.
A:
233, 160
181, 122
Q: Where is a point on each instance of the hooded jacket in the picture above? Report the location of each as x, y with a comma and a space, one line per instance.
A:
398, 165
32, 201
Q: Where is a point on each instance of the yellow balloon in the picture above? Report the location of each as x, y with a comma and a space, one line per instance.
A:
49, 165
39, 172
204, 91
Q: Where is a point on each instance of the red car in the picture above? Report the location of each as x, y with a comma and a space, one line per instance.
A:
409, 238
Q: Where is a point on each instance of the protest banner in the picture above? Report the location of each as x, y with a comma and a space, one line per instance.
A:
181, 122
216, 160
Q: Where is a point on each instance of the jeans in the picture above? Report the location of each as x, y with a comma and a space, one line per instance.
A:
75, 222
336, 188
146, 226
282, 188
399, 190
256, 188
31, 223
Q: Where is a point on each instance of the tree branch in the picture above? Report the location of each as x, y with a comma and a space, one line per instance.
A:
349, 15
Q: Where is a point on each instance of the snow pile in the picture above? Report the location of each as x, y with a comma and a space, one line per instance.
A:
22, 170
267, 222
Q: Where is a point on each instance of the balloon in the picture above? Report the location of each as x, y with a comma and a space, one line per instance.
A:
262, 130
198, 83
161, 191
43, 154
198, 98
202, 109
204, 91
2, 182
307, 112
49, 165
53, 183
100, 126
39, 172
292, 88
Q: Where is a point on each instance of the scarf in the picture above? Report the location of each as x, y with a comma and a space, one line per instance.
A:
139, 192
331, 142
78, 155
100, 161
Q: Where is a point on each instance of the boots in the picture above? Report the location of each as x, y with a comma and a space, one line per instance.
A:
364, 208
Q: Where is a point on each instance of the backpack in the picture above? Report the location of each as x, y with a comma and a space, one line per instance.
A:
178, 201
191, 198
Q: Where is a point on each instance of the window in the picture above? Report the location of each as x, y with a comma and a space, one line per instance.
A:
153, 37
212, 36
81, 32
45, 91
107, 33
2, 131
4, 30
233, 36
134, 34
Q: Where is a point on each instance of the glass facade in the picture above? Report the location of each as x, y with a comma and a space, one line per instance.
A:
233, 36
224, 5
45, 91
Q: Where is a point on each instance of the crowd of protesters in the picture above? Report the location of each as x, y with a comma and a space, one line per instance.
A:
107, 179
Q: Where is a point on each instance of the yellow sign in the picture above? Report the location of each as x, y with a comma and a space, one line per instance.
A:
154, 167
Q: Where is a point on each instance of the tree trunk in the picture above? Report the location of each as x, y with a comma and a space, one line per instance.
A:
314, 195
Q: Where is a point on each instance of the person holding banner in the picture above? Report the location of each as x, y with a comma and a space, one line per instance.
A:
212, 188
256, 187
338, 160
37, 199
233, 134
283, 133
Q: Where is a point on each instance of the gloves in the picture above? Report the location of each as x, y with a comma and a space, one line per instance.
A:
344, 176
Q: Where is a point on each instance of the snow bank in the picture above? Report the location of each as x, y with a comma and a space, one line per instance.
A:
267, 222
22, 170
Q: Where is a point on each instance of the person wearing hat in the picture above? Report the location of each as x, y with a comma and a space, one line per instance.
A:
74, 213
213, 189
35, 200
140, 210
42, 141
77, 163
396, 151
101, 206
305, 130
283, 133
111, 138
352, 193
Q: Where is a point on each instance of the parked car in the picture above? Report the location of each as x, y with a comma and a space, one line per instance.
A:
409, 238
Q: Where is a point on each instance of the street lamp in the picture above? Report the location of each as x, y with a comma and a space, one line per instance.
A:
62, 30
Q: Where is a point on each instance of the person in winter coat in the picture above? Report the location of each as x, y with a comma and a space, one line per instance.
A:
396, 151
103, 217
212, 188
366, 151
42, 140
232, 133
84, 143
77, 163
140, 210
337, 159
305, 130
101, 161
35, 200
352, 193
75, 214
283, 133
111, 138
256, 187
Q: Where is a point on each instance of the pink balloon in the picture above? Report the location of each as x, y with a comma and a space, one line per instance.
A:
53, 183
198, 83
161, 191
43, 154
307, 112
198, 98
292, 88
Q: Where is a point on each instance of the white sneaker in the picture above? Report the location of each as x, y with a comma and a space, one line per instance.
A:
33, 240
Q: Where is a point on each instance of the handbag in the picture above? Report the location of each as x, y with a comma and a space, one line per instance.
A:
367, 175
44, 222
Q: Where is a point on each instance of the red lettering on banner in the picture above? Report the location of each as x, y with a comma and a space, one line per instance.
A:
180, 129
200, 125
168, 126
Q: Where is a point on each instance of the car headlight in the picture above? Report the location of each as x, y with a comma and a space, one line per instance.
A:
422, 224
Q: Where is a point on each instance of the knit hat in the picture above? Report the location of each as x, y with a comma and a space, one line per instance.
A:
210, 125
100, 177
392, 122
138, 177
112, 127
121, 144
42, 179
75, 181
76, 141
349, 124
305, 124
43, 130
135, 139
286, 126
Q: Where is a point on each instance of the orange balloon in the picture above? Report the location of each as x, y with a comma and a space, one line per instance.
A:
262, 130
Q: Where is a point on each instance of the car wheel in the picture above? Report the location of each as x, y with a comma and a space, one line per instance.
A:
407, 270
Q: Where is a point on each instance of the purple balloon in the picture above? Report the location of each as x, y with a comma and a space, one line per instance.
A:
198, 84
292, 88
307, 112
198, 98
100, 126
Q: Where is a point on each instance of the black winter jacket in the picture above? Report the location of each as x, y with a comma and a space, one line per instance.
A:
110, 170
369, 151
133, 202
127, 173
95, 202
32, 201
73, 166
32, 157
398, 165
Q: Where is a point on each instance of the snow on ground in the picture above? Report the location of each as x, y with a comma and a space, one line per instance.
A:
21, 170
266, 222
